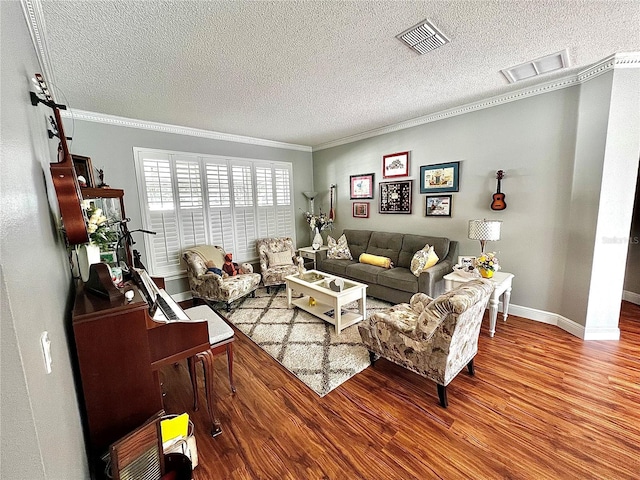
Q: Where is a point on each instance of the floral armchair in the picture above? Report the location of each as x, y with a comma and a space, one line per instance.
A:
217, 288
277, 260
433, 338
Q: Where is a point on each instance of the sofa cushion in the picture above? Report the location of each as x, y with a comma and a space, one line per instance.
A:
423, 259
386, 244
412, 243
399, 278
364, 273
358, 240
338, 249
279, 258
335, 266
384, 262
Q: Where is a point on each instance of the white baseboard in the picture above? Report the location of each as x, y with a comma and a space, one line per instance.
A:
631, 297
565, 324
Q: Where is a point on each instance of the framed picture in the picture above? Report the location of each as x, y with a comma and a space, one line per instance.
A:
361, 186
466, 262
395, 165
438, 206
395, 197
84, 169
361, 209
442, 177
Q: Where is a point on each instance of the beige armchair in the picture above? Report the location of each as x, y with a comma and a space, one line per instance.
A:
217, 288
277, 260
433, 338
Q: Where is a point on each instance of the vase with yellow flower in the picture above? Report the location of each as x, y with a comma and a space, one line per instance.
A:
487, 264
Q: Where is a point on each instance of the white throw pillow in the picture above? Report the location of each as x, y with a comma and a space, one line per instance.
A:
280, 258
423, 259
338, 250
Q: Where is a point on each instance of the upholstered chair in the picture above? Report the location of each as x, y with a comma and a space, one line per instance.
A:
435, 338
211, 287
277, 260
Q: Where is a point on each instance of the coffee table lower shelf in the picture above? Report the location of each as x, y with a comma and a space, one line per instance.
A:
319, 310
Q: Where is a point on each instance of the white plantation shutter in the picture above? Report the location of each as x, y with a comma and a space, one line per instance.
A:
219, 195
265, 202
193, 230
193, 199
165, 245
244, 215
285, 221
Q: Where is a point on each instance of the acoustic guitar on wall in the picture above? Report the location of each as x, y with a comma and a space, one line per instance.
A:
63, 174
332, 212
498, 202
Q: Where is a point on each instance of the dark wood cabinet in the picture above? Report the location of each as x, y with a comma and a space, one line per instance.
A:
121, 389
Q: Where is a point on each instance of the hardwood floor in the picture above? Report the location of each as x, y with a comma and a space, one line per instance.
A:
543, 404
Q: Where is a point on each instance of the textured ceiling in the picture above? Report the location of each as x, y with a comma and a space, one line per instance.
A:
310, 72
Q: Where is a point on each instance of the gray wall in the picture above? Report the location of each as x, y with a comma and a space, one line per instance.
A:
632, 274
531, 139
111, 149
41, 427
553, 148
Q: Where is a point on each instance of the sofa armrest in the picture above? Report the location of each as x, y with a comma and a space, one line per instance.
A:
321, 255
428, 279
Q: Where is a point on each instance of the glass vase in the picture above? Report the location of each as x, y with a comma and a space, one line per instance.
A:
317, 240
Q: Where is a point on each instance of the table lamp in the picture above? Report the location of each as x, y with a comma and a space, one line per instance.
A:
485, 231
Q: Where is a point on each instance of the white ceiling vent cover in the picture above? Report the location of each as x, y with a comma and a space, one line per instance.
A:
550, 63
423, 38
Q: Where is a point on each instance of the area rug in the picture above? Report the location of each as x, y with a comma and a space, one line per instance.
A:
305, 345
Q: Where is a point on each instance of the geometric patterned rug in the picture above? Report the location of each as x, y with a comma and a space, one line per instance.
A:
305, 345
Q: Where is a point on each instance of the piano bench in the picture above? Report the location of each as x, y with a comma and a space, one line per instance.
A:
221, 338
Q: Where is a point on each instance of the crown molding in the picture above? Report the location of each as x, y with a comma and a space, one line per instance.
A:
114, 120
35, 20
618, 60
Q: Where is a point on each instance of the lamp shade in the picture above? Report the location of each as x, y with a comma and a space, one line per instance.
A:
488, 230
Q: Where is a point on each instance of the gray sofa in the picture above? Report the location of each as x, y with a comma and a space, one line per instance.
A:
396, 284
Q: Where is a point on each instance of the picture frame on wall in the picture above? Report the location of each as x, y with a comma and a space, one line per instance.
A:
440, 178
395, 197
361, 209
395, 165
361, 186
438, 206
84, 168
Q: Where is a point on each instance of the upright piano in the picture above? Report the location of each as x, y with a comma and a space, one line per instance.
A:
120, 349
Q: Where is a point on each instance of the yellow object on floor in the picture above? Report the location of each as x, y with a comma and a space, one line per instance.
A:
312, 302
175, 427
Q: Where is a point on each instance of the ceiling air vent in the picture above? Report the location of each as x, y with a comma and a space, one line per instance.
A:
550, 63
423, 38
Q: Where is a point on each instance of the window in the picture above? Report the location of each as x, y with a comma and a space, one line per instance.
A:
193, 199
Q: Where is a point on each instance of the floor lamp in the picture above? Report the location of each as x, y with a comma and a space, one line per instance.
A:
485, 231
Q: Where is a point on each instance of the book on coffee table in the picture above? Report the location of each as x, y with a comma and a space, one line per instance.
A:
331, 313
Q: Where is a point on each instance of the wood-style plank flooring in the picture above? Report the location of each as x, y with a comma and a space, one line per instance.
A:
543, 404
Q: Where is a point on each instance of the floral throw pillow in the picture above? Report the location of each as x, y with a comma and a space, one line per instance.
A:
423, 259
338, 250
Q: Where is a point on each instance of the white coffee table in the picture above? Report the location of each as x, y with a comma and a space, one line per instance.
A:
502, 287
328, 303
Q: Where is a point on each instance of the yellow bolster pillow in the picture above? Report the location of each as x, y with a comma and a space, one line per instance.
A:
384, 262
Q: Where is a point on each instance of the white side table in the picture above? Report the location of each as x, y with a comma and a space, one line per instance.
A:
310, 254
502, 288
